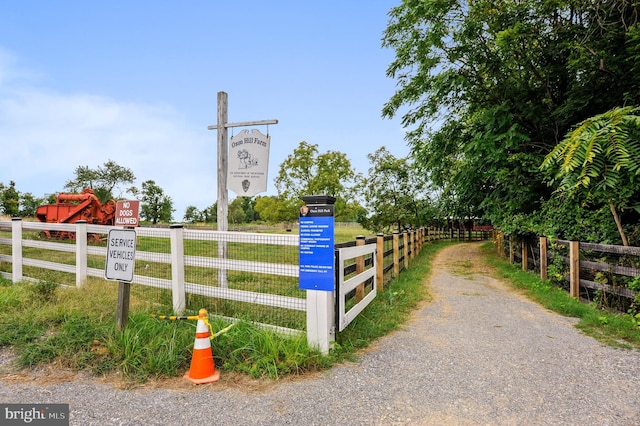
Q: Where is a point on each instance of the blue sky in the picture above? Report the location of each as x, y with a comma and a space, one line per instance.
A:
137, 81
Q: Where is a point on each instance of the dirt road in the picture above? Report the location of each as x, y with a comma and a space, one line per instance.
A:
479, 353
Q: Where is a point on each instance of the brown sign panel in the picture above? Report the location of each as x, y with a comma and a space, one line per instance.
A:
127, 213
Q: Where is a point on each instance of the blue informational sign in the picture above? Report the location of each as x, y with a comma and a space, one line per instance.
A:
317, 248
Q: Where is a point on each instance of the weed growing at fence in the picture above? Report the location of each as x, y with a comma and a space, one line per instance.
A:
75, 328
611, 328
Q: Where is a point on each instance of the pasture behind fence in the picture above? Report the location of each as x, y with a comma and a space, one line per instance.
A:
179, 269
174, 269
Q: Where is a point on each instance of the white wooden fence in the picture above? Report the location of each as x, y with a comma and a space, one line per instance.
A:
345, 286
318, 305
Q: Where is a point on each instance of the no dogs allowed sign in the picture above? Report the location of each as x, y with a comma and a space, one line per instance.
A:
121, 255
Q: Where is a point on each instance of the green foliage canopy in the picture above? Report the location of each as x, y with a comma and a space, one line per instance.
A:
491, 87
103, 179
308, 172
395, 195
156, 206
599, 162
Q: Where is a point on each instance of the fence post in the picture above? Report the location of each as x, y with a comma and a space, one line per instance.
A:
511, 248
359, 269
574, 269
405, 250
81, 252
396, 254
525, 256
177, 268
543, 258
320, 319
412, 243
16, 249
380, 262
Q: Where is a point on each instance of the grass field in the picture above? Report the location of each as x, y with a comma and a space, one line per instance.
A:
76, 328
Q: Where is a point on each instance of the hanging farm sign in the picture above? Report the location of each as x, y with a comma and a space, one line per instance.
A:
248, 163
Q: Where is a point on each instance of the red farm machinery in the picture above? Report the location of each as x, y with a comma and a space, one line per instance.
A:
70, 208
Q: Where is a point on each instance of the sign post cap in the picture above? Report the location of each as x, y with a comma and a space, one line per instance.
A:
319, 199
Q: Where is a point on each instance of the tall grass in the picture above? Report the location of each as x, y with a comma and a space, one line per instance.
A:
76, 328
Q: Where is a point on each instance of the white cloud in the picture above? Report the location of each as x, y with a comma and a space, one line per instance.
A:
46, 134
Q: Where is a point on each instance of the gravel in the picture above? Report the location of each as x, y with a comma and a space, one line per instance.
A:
479, 353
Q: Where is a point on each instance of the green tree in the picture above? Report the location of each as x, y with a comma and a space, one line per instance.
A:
489, 88
103, 179
393, 193
307, 172
236, 213
155, 205
276, 209
210, 214
10, 199
29, 204
266, 208
599, 162
192, 214
248, 208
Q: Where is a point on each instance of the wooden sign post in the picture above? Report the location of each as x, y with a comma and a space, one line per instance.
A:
223, 164
120, 265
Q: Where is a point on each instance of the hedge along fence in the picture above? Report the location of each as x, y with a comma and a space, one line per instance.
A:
608, 275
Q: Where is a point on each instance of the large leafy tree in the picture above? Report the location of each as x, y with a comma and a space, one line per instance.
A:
156, 206
242, 210
276, 209
599, 162
490, 88
193, 215
103, 179
29, 204
394, 194
308, 172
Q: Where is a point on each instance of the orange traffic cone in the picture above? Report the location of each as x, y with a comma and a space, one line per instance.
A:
203, 369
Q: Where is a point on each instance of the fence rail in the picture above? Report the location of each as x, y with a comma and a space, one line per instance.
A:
345, 286
182, 263
606, 274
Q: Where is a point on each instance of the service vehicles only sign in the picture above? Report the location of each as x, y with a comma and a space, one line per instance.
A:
121, 255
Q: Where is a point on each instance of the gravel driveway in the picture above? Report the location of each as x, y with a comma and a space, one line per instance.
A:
479, 353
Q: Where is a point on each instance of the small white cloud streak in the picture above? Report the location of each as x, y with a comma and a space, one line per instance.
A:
45, 135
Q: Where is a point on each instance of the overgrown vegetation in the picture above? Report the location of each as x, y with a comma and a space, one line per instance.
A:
608, 327
75, 328
489, 89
